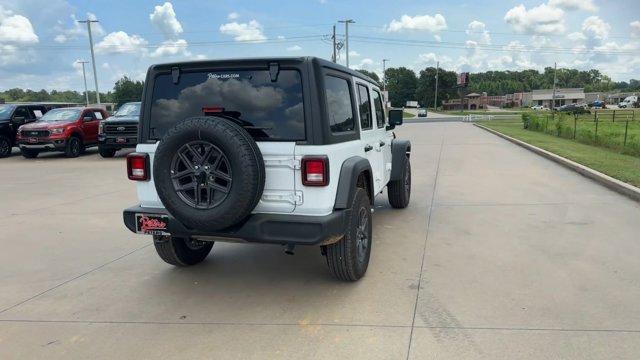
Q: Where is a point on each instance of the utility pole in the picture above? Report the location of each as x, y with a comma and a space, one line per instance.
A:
384, 74
93, 57
435, 101
333, 39
84, 76
346, 34
555, 79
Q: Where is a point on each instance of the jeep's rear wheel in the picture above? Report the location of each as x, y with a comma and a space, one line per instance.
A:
348, 259
399, 191
181, 252
29, 153
5, 146
209, 173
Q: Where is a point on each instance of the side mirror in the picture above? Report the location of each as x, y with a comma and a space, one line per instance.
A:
395, 118
87, 118
19, 119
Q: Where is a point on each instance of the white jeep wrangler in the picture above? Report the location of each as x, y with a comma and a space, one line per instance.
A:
288, 151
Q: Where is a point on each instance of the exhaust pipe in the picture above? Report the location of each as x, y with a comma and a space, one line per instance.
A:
289, 249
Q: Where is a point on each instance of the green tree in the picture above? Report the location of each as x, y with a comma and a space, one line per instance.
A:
126, 90
401, 84
372, 75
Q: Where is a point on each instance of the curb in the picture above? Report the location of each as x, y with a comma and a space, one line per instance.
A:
616, 185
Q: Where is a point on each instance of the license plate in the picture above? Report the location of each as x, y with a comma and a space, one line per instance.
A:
33, 140
150, 224
121, 140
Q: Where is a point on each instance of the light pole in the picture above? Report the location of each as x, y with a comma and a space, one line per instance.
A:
84, 76
435, 101
346, 34
93, 57
384, 74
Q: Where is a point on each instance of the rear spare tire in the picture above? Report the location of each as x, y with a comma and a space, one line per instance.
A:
209, 173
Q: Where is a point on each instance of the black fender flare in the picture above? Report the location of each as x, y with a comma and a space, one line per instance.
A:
399, 150
349, 173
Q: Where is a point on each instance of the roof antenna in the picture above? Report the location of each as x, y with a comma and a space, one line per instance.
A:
274, 69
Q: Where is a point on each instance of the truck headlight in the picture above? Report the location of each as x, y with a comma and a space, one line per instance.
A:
57, 131
100, 128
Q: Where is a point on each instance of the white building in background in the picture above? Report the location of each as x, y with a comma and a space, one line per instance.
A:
563, 96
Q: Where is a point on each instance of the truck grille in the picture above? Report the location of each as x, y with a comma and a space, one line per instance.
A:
35, 133
121, 130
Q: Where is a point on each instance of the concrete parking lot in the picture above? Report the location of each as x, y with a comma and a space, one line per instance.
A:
501, 254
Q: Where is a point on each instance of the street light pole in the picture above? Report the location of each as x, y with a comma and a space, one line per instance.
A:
84, 76
435, 101
333, 38
93, 57
346, 34
384, 74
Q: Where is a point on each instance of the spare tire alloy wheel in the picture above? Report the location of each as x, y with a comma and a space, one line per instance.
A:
201, 174
208, 172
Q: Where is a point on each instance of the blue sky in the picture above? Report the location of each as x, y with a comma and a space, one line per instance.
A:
40, 40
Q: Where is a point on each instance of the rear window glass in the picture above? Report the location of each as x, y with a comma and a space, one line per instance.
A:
269, 110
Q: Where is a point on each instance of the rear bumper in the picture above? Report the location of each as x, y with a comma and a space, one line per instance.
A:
260, 228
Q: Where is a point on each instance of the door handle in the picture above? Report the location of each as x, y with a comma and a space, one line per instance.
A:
368, 148
382, 143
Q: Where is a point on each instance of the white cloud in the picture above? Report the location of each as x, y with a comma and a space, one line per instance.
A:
437, 37
542, 19
106, 65
365, 64
171, 48
16, 28
586, 5
280, 37
251, 31
635, 28
576, 36
120, 42
354, 54
594, 27
77, 29
478, 32
430, 23
232, 16
164, 18
294, 48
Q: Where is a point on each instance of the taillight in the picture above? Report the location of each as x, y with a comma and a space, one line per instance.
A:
138, 166
315, 171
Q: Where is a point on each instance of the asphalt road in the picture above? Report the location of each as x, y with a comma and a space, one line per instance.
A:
501, 254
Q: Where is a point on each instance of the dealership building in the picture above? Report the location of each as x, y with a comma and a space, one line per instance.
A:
544, 97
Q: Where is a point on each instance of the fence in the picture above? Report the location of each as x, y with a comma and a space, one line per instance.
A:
618, 130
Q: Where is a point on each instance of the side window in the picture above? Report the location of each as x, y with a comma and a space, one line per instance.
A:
339, 106
377, 103
88, 113
364, 107
22, 112
37, 112
97, 114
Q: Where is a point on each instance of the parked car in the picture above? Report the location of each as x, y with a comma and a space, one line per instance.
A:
597, 104
12, 116
422, 113
120, 130
234, 150
539, 107
70, 130
574, 109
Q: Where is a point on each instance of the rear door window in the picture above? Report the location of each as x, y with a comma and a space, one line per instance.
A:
268, 110
339, 106
377, 104
364, 107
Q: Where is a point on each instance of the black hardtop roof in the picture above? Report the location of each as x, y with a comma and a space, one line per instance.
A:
263, 61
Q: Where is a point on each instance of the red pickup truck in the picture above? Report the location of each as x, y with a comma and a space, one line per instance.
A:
69, 130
